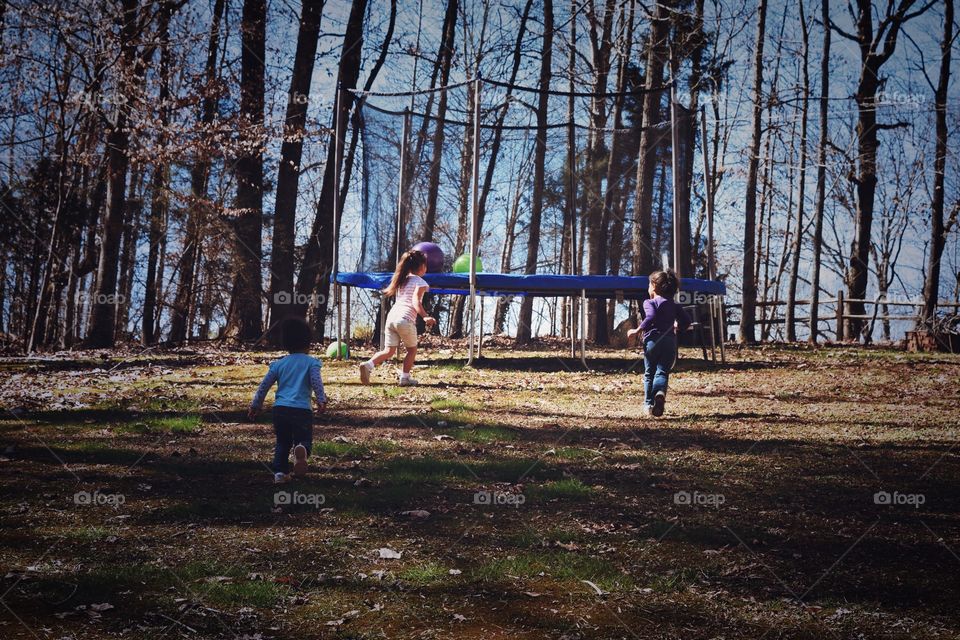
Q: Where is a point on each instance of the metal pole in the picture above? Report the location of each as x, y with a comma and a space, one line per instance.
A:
383, 321
713, 339
336, 219
583, 328
711, 263
480, 332
400, 195
473, 216
571, 309
708, 189
723, 330
674, 169
348, 321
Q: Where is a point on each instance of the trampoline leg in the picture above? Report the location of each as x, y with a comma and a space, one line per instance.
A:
383, 321
471, 309
336, 295
571, 311
723, 333
703, 343
480, 333
713, 338
583, 328
347, 321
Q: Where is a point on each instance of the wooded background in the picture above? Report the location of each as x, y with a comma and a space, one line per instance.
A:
169, 173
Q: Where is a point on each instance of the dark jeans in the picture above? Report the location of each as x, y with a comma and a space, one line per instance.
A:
659, 355
292, 427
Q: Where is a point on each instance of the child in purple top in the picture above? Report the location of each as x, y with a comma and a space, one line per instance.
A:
663, 319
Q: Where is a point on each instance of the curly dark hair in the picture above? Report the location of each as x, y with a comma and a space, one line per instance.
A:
296, 334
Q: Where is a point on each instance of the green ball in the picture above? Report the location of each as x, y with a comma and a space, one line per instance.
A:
462, 264
344, 350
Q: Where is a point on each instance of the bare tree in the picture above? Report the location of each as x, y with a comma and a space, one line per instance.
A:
318, 254
748, 308
876, 44
821, 173
650, 138
798, 228
198, 206
246, 317
939, 229
288, 174
524, 330
104, 305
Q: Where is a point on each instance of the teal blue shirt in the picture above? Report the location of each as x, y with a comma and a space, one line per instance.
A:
295, 375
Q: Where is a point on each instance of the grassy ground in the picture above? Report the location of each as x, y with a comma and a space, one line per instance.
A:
136, 500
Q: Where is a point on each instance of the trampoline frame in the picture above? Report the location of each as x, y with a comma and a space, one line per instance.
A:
575, 294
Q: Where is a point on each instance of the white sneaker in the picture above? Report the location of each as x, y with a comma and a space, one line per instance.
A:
281, 478
408, 382
299, 460
365, 371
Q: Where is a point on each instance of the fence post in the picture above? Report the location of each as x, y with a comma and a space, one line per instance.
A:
840, 336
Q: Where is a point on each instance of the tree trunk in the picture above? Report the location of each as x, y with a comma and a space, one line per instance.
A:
524, 331
247, 222
938, 231
288, 175
789, 318
445, 58
821, 174
612, 197
197, 211
644, 260
506, 257
873, 54
104, 303
689, 242
159, 203
318, 255
597, 221
748, 310
131, 236
501, 118
466, 172
569, 231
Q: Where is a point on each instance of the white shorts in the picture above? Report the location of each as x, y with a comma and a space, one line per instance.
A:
401, 331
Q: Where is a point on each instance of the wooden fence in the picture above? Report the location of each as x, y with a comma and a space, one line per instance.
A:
837, 312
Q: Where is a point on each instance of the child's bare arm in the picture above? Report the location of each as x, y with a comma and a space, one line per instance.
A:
418, 297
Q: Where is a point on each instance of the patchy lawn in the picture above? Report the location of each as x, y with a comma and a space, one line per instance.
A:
793, 493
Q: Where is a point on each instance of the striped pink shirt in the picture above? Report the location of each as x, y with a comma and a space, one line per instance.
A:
405, 306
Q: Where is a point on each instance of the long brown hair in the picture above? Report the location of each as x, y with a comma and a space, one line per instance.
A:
409, 262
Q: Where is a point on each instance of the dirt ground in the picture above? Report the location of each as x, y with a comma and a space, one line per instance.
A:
792, 493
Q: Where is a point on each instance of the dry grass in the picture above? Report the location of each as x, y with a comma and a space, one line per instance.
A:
556, 509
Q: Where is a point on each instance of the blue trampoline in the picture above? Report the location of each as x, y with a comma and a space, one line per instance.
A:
693, 291
500, 284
